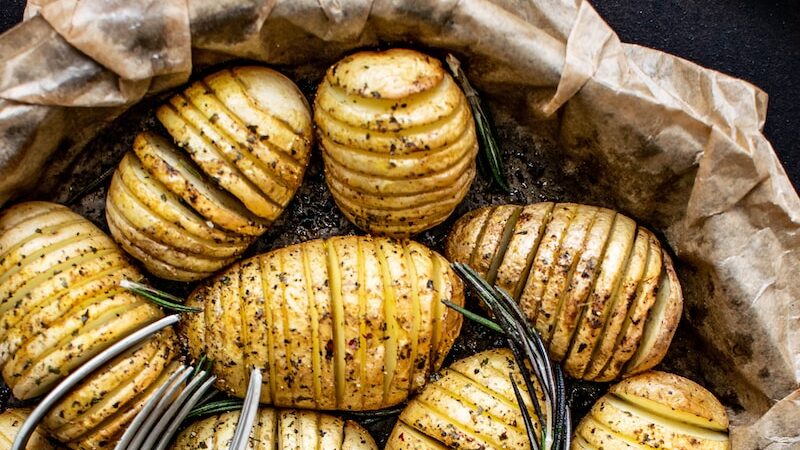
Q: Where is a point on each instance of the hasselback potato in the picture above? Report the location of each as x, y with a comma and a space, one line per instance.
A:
61, 304
600, 290
654, 410
246, 134
398, 140
279, 430
470, 406
352, 323
10, 422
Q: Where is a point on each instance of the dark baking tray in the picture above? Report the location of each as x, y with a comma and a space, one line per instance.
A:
534, 166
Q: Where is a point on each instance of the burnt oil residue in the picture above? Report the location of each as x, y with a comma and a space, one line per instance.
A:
534, 164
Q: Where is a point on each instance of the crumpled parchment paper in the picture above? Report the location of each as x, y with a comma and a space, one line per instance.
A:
679, 146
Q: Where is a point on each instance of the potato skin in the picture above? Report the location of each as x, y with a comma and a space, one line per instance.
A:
470, 406
248, 133
296, 430
398, 140
601, 291
10, 422
61, 304
655, 409
348, 323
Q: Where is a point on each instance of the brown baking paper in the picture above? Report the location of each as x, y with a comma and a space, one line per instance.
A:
677, 146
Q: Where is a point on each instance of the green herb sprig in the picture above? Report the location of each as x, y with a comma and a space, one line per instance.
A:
483, 125
160, 298
216, 407
527, 347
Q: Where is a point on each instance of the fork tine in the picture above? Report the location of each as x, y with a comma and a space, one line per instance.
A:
161, 404
82, 372
246, 419
184, 411
147, 409
166, 417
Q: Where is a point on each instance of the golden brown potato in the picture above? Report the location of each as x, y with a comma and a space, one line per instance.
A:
279, 429
470, 406
247, 134
353, 323
601, 291
10, 422
398, 140
60, 305
655, 410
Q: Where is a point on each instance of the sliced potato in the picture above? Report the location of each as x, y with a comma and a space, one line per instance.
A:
183, 178
406, 134
602, 292
63, 305
656, 410
471, 405
347, 323
11, 421
282, 429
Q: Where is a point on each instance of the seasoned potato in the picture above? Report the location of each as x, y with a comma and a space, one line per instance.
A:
398, 140
10, 422
247, 137
278, 429
60, 305
655, 410
601, 291
470, 406
353, 323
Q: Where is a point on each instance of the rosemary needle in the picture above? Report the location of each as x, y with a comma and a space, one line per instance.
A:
482, 124
160, 298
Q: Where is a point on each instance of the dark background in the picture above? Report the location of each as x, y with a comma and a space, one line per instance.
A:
757, 40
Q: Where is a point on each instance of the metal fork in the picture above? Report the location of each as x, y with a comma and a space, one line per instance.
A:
162, 415
30, 424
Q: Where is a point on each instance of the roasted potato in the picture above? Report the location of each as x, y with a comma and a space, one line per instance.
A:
470, 406
353, 323
247, 134
655, 410
280, 430
600, 290
10, 422
397, 138
60, 305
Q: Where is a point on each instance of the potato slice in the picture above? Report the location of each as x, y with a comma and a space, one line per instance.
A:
283, 429
561, 271
11, 421
172, 263
626, 294
661, 323
656, 410
349, 323
486, 249
395, 73
633, 327
647, 428
580, 284
531, 299
604, 294
465, 234
171, 208
390, 114
673, 396
183, 178
161, 229
472, 405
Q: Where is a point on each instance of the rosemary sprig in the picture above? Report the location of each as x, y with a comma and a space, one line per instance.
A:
219, 406
483, 125
527, 346
474, 317
160, 298
89, 188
